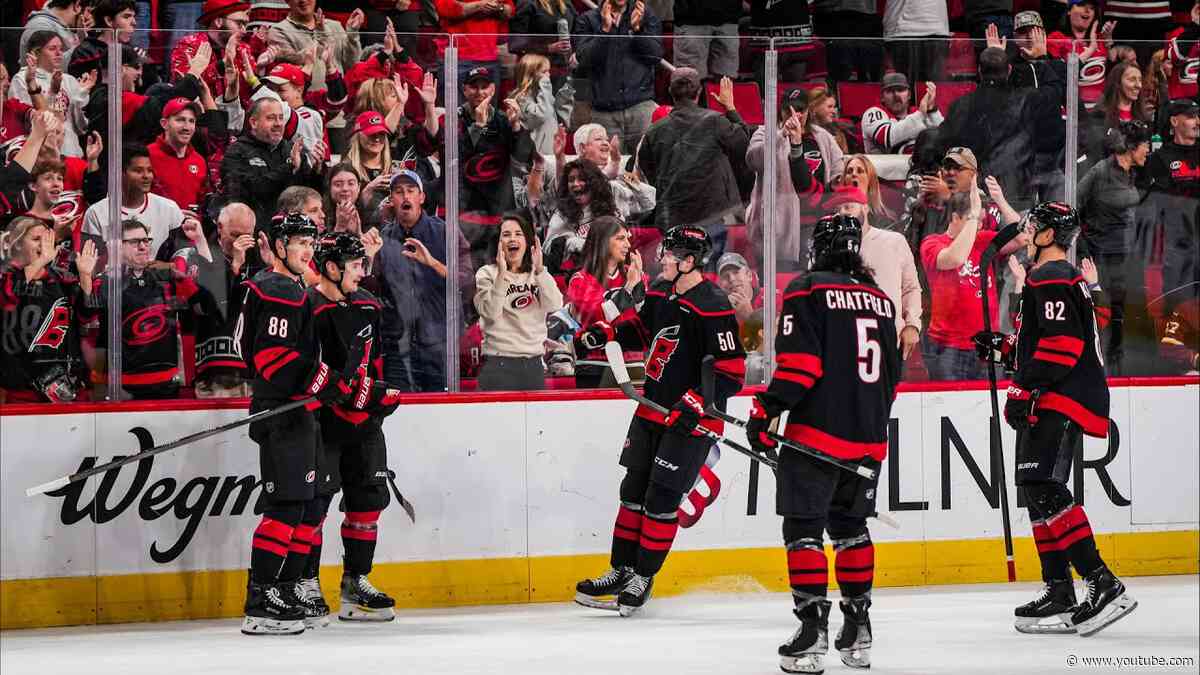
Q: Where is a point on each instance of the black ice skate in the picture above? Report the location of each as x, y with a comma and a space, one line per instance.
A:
1106, 602
854, 637
363, 602
805, 652
601, 592
309, 600
270, 611
1050, 612
635, 595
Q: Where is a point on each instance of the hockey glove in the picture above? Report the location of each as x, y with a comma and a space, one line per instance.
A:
686, 413
1020, 408
995, 347
594, 337
370, 394
756, 429
337, 391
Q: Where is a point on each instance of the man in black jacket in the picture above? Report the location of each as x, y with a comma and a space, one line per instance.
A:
1175, 196
693, 158
261, 164
618, 46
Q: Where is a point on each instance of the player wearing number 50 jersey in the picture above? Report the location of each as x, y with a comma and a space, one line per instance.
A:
1058, 392
838, 363
683, 319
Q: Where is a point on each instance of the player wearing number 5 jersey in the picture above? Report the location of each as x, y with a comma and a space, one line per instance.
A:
682, 319
838, 363
1058, 392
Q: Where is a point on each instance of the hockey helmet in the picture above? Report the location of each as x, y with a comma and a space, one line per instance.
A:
685, 240
290, 225
834, 233
338, 248
1057, 215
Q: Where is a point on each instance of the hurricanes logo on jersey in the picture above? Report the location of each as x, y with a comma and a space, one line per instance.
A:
54, 328
660, 353
147, 325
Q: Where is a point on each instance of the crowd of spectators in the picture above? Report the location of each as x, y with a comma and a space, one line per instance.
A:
586, 129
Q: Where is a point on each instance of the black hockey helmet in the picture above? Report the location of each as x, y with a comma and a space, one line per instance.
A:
338, 248
290, 225
834, 233
1057, 215
685, 240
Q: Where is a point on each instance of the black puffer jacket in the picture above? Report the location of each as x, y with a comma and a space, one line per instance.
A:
256, 173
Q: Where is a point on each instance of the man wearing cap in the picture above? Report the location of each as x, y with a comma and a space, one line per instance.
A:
892, 127
305, 110
411, 268
261, 163
224, 22
485, 144
618, 46
1175, 193
692, 158
890, 258
740, 283
180, 172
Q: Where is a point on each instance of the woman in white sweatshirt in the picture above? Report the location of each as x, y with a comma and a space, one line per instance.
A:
513, 297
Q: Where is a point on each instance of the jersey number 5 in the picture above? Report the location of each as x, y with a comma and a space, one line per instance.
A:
869, 350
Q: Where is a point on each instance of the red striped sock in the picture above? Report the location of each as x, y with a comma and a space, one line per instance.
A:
655, 543
854, 565
808, 570
360, 532
269, 549
1073, 533
626, 533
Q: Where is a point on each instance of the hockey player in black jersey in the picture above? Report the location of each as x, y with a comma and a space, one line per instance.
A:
838, 363
682, 319
277, 338
354, 457
1058, 392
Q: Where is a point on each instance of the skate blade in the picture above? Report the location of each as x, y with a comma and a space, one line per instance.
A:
254, 625
804, 663
629, 610
1034, 625
1119, 608
352, 612
311, 622
595, 603
856, 658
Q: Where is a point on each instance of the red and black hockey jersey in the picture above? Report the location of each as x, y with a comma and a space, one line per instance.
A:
677, 332
838, 364
150, 337
338, 322
1058, 347
39, 330
277, 336
217, 309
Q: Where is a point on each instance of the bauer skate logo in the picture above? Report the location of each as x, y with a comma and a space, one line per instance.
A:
54, 328
665, 344
190, 502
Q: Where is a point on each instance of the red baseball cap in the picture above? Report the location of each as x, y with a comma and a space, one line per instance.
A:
370, 123
845, 194
178, 105
283, 73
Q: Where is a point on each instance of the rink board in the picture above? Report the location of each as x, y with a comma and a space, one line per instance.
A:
515, 501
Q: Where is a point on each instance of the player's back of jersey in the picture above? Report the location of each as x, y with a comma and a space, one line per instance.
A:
837, 338
276, 338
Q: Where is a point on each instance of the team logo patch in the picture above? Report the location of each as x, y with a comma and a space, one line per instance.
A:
310, 477
54, 328
522, 301
147, 325
193, 169
664, 346
270, 487
870, 493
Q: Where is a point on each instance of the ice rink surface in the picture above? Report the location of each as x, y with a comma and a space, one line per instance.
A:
947, 629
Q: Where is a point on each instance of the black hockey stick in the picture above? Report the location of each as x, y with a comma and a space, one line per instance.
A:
706, 380
1007, 234
616, 362
158, 449
404, 503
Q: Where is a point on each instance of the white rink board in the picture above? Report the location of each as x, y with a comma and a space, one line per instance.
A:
503, 480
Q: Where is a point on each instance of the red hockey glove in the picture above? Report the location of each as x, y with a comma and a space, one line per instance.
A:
336, 391
370, 393
594, 337
1020, 407
686, 413
996, 347
756, 429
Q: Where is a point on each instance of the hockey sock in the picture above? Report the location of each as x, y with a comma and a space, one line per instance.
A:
854, 564
808, 570
626, 533
312, 568
658, 533
1055, 564
1073, 533
360, 531
269, 545
302, 539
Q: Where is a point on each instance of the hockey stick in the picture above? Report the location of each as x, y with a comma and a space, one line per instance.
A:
706, 380
404, 503
616, 362
158, 449
1007, 234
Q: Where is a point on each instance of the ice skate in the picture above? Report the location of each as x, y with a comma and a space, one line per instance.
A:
601, 592
1050, 612
635, 595
270, 611
307, 594
363, 602
1106, 602
805, 652
854, 637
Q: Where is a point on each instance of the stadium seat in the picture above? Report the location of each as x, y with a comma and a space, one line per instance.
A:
855, 97
960, 61
947, 93
746, 96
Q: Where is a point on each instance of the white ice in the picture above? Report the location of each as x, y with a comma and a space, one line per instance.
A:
948, 629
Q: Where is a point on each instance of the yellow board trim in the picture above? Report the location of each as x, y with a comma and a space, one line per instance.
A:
65, 601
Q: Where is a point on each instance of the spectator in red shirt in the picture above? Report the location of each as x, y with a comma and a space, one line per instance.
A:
952, 267
14, 114
476, 24
225, 25
1081, 29
180, 172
